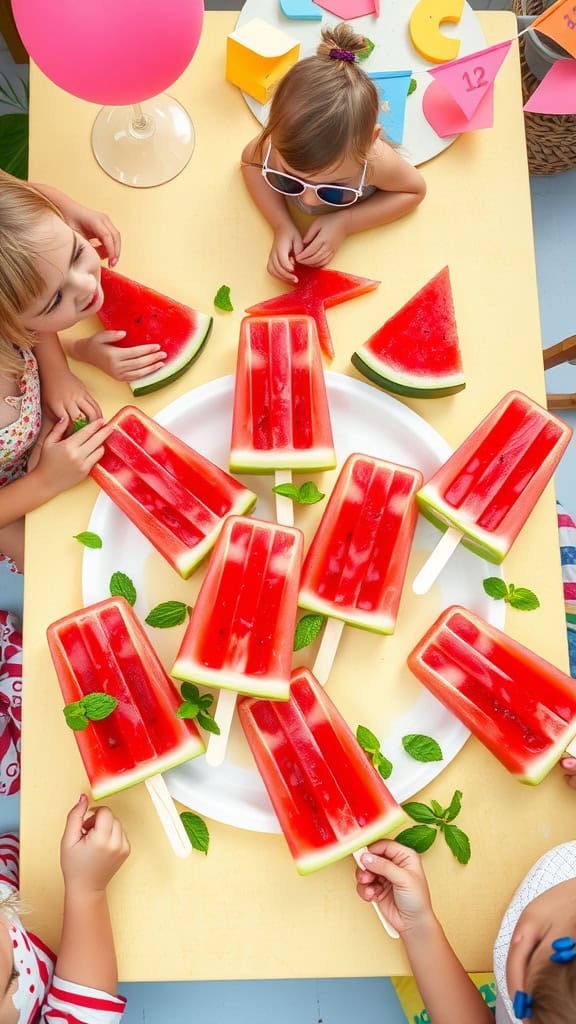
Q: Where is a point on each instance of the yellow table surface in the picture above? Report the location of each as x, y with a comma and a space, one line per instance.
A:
242, 911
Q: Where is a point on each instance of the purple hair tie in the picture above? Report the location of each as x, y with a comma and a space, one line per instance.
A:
346, 55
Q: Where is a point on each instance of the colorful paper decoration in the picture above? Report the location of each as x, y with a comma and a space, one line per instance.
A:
257, 56
306, 10
556, 93
446, 117
469, 79
425, 33
392, 89
559, 23
346, 10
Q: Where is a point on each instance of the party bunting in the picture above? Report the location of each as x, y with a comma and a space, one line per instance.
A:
447, 118
345, 10
307, 10
392, 91
469, 79
559, 23
556, 93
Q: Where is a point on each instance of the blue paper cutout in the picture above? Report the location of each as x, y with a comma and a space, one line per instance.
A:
393, 89
305, 9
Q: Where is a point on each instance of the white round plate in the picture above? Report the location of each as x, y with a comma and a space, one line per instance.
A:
393, 51
363, 420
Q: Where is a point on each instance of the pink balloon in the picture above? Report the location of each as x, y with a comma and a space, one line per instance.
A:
111, 51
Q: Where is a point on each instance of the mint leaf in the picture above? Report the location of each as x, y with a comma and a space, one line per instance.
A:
167, 614
382, 765
206, 701
495, 587
97, 706
458, 842
121, 586
88, 539
79, 423
366, 50
422, 748
287, 490
190, 692
523, 599
412, 87
419, 837
454, 808
196, 830
207, 722
75, 716
188, 709
307, 629
222, 299
420, 812
437, 808
367, 740
308, 493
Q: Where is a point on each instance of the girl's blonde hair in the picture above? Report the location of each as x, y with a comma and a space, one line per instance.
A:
554, 994
21, 283
324, 108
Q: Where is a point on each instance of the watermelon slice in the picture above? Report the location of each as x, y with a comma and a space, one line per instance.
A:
416, 352
148, 317
315, 292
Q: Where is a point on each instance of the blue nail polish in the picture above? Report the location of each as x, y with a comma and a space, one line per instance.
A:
564, 950
522, 1005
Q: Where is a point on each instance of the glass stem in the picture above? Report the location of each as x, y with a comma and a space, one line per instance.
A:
139, 120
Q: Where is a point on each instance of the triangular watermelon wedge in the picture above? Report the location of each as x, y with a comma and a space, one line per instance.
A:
416, 352
315, 292
148, 317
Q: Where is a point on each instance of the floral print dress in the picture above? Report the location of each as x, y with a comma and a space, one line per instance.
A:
18, 438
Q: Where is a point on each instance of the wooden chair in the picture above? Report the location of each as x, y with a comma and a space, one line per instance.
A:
555, 356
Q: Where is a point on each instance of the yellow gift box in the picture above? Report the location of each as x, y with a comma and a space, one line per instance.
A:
258, 56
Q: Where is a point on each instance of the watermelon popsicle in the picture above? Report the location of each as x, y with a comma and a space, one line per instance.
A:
520, 706
328, 798
177, 498
486, 490
355, 567
103, 649
239, 636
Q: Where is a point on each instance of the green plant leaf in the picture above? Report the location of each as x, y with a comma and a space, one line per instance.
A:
383, 766
308, 493
222, 299
122, 586
437, 808
98, 706
307, 629
523, 599
190, 692
422, 748
167, 614
79, 424
14, 144
367, 740
366, 50
412, 87
196, 830
454, 808
418, 837
206, 701
495, 587
287, 491
188, 709
207, 722
75, 716
420, 812
458, 842
88, 539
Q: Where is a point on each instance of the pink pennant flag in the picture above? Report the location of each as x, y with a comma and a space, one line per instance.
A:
468, 79
556, 93
446, 117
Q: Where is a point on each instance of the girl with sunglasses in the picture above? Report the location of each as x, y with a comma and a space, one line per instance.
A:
323, 151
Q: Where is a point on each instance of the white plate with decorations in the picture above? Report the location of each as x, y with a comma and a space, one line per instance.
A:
370, 682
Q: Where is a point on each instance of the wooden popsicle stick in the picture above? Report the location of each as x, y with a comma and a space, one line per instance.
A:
571, 748
284, 506
327, 651
433, 566
383, 921
166, 811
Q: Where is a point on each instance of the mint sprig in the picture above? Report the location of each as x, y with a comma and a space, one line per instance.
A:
306, 494
79, 424
88, 539
431, 820
122, 586
93, 707
222, 299
371, 746
412, 87
307, 629
366, 50
422, 748
167, 614
196, 830
196, 705
522, 598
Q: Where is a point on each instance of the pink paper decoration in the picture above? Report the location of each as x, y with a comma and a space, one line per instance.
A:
447, 118
556, 93
469, 79
346, 10
111, 51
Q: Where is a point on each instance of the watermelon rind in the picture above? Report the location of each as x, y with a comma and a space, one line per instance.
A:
333, 852
274, 687
410, 386
249, 460
116, 783
174, 368
442, 515
370, 623
187, 562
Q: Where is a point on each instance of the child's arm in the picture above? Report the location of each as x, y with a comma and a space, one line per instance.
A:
92, 850
287, 239
394, 876
63, 394
88, 223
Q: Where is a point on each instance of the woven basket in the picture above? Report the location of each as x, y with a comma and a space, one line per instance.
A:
550, 138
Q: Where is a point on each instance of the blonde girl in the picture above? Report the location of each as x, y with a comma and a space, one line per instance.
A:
323, 151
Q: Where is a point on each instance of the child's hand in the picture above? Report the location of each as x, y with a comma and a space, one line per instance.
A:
92, 224
323, 238
65, 461
286, 247
66, 395
394, 877
120, 363
568, 765
94, 846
